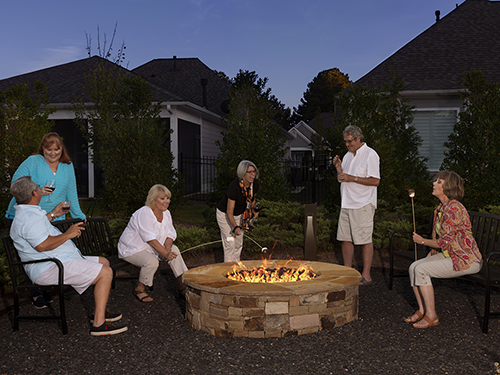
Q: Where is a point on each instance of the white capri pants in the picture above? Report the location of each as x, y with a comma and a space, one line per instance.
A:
148, 263
231, 243
437, 266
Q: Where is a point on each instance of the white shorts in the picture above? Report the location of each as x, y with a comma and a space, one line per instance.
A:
356, 225
79, 273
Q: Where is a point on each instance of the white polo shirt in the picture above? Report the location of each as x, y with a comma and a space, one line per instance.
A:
365, 163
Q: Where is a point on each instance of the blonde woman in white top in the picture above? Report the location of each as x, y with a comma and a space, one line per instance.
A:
148, 237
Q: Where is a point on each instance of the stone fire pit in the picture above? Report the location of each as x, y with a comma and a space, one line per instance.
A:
227, 308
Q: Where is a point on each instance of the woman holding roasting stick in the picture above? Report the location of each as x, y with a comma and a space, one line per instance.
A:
236, 210
454, 250
51, 169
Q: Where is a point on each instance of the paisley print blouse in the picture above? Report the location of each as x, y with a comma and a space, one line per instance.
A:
453, 231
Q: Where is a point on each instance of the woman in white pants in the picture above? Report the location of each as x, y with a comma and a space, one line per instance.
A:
236, 209
148, 237
454, 250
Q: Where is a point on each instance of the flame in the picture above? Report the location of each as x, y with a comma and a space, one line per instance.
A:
265, 274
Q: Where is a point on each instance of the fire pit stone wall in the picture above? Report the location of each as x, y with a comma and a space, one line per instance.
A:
227, 308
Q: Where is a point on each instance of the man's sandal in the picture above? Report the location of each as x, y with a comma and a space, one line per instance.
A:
144, 298
415, 317
431, 323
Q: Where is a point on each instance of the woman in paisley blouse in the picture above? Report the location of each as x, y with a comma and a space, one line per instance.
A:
454, 250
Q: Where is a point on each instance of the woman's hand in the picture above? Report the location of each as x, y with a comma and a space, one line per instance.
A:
417, 238
46, 190
170, 255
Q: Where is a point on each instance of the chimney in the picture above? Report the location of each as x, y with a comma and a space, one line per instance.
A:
204, 83
175, 63
437, 13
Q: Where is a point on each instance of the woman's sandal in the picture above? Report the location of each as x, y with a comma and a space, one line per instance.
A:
418, 315
142, 299
431, 323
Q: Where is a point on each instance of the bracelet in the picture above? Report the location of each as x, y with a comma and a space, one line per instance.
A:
52, 214
236, 228
423, 241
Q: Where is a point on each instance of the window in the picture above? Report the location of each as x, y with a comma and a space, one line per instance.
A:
434, 127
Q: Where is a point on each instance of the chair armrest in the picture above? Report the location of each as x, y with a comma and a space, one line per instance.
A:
494, 254
58, 263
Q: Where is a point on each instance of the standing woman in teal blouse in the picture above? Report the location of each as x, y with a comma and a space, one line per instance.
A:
51, 163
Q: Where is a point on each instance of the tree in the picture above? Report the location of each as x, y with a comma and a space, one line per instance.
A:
320, 95
473, 148
252, 134
24, 120
104, 50
385, 119
126, 138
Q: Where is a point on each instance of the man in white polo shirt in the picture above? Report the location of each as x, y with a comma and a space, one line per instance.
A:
36, 239
359, 176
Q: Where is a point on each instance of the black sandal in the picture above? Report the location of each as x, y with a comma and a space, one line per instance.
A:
137, 292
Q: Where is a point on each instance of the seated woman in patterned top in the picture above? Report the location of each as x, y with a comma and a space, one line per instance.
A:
454, 250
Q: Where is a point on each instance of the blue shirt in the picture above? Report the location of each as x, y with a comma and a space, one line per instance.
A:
39, 170
29, 229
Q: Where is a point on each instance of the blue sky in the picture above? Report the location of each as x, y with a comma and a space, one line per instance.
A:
288, 41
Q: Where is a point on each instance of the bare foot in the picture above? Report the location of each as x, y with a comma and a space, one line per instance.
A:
427, 322
417, 315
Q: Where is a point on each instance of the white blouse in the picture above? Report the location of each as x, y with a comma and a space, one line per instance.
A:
143, 227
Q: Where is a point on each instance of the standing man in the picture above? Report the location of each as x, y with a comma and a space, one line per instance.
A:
359, 176
36, 239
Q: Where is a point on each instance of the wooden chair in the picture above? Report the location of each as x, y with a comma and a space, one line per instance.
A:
19, 285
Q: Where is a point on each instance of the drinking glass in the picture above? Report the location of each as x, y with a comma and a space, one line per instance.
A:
51, 184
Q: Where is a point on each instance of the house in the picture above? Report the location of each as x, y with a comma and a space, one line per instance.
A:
192, 97
431, 66
305, 137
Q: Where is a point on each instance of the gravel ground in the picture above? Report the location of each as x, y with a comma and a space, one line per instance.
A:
160, 341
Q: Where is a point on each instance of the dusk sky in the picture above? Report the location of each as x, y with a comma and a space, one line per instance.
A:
288, 41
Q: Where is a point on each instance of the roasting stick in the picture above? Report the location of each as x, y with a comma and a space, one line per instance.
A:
203, 244
411, 193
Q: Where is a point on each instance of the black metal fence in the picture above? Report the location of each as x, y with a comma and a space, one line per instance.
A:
306, 178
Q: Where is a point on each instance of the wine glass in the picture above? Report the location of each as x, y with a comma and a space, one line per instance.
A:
51, 185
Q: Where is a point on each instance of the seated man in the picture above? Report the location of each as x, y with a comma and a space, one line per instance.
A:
35, 238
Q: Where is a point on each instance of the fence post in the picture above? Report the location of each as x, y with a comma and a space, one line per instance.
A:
310, 251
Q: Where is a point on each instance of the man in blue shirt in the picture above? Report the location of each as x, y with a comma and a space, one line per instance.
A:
35, 238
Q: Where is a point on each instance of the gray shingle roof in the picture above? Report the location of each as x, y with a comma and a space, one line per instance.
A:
65, 83
183, 76
466, 39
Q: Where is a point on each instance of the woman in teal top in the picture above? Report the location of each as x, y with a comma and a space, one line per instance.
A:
50, 163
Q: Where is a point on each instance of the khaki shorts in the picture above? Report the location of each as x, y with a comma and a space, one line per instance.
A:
356, 226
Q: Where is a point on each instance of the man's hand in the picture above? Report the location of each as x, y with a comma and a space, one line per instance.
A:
75, 230
337, 163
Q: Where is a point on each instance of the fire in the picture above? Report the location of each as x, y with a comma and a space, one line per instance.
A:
265, 274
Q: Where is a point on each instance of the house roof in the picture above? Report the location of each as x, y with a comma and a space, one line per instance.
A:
464, 40
66, 83
183, 76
